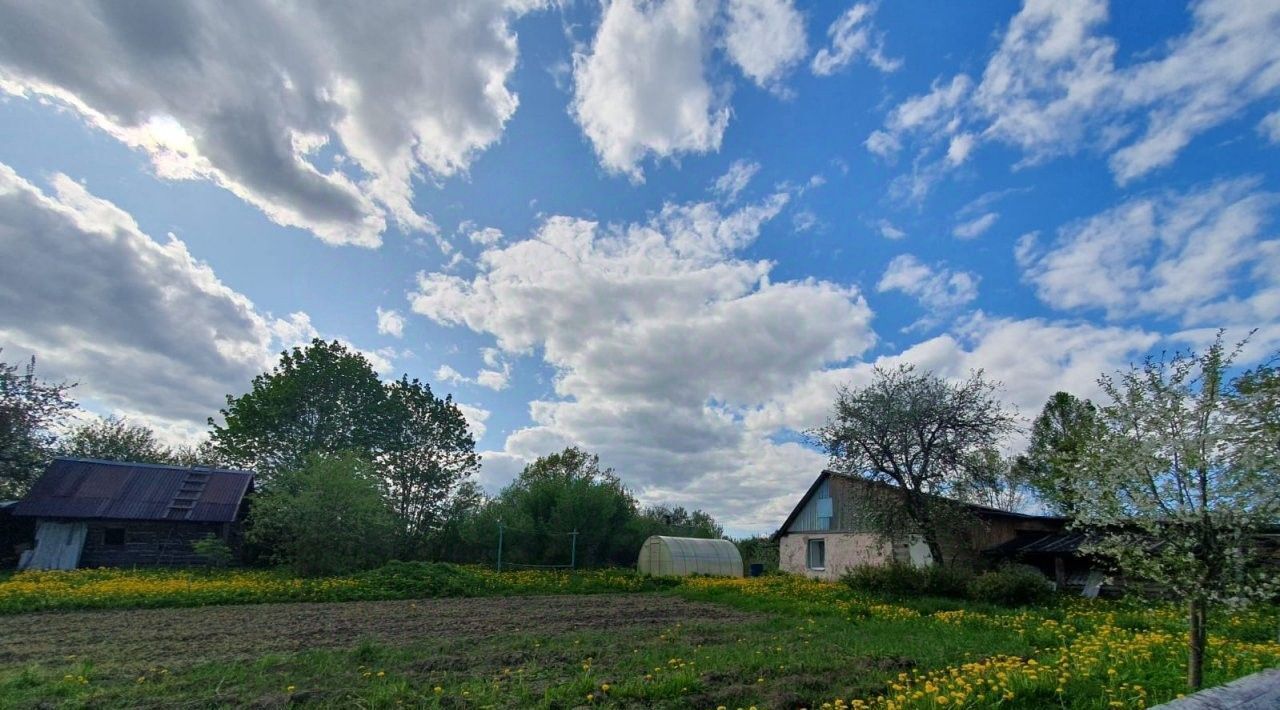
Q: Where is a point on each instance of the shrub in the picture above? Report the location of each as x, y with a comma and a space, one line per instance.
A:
425, 580
326, 518
214, 550
1014, 585
905, 580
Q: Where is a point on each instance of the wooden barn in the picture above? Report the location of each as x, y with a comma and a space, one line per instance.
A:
90, 513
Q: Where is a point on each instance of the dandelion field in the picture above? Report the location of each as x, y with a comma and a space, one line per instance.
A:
530, 639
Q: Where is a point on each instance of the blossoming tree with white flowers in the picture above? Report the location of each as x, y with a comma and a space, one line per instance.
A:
1181, 485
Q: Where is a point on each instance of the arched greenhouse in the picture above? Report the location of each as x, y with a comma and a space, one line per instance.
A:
664, 556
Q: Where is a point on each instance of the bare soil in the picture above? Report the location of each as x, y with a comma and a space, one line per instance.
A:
180, 636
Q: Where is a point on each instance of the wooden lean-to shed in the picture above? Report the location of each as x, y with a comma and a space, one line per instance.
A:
91, 513
663, 556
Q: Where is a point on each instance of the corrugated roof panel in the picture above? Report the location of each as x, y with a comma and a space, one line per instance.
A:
81, 488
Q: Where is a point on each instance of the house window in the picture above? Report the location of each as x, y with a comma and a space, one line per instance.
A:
817, 554
113, 537
823, 506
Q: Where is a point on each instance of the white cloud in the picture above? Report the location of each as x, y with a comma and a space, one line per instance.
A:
935, 114
1053, 88
660, 336
1033, 358
148, 331
1229, 59
390, 322
765, 38
485, 237
853, 35
888, 231
642, 88
476, 418
735, 179
805, 220
495, 380
960, 147
934, 110
883, 144
1049, 73
446, 373
245, 95
495, 376
497, 373
976, 227
1193, 256
939, 290
1269, 127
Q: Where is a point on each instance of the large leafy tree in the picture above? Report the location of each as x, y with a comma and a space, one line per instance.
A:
327, 399
427, 452
30, 411
1181, 478
320, 399
676, 520
995, 482
1060, 436
920, 435
556, 495
114, 439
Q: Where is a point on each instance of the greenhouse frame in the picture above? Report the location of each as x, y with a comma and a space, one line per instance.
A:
663, 556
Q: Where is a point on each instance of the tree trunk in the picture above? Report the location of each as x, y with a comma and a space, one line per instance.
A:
1195, 643
935, 549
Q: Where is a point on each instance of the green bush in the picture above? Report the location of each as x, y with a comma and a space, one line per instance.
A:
414, 580
214, 550
1014, 585
326, 518
897, 579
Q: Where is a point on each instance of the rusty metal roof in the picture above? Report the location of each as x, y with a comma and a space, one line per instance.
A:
88, 488
1029, 543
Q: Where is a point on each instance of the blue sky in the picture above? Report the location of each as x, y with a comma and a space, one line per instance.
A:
665, 231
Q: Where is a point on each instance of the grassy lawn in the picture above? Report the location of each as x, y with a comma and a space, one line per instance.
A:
465, 637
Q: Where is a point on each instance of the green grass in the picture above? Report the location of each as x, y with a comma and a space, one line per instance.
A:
795, 643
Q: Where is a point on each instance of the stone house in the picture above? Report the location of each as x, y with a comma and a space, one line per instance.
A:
828, 532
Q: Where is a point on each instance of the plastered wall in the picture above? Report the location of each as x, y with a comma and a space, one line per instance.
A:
844, 550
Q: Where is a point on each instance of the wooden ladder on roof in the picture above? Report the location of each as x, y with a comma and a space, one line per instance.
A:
184, 500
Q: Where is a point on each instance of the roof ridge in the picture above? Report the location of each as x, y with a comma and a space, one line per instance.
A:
141, 464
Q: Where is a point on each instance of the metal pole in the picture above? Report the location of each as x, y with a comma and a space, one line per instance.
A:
573, 551
499, 545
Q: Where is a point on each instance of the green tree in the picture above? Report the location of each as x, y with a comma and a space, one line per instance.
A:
922, 436
199, 454
328, 399
427, 452
326, 517
558, 494
1180, 480
995, 481
30, 411
676, 521
457, 539
114, 439
1060, 435
321, 399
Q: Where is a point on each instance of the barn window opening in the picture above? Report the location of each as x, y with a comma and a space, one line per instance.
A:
817, 554
113, 537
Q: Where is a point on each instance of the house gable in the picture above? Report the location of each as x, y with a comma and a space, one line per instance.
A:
830, 505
